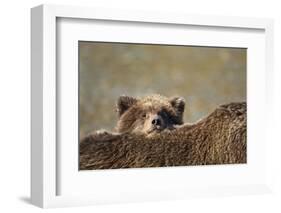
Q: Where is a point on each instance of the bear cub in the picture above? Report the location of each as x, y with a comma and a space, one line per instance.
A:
150, 114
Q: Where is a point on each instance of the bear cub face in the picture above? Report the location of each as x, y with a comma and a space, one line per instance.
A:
150, 114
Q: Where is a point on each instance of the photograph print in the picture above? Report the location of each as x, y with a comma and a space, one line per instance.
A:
152, 105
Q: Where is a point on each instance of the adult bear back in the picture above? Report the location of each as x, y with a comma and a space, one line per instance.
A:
219, 138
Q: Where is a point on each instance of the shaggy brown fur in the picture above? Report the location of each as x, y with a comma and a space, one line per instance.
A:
150, 114
220, 138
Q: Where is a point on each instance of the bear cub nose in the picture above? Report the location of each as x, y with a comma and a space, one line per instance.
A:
156, 121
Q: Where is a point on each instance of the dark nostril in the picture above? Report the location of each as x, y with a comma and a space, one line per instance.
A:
156, 122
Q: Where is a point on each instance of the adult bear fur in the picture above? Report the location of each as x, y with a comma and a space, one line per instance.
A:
220, 138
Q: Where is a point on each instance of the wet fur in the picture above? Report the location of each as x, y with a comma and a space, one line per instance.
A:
220, 138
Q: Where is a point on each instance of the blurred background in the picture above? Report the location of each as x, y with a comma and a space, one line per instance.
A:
205, 76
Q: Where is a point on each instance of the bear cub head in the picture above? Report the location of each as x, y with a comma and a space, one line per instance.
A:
150, 114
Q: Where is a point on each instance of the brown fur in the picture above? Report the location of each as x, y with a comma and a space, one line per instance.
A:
150, 114
220, 138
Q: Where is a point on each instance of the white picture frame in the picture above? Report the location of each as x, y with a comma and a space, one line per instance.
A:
45, 154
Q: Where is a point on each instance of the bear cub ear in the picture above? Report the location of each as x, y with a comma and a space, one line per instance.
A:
124, 103
179, 104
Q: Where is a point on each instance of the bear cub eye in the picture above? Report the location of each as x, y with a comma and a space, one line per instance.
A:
143, 115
